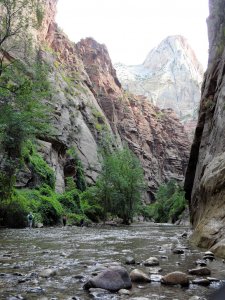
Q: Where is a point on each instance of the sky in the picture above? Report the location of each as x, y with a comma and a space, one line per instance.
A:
131, 28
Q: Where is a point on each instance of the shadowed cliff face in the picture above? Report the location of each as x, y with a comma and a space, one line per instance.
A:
205, 177
89, 106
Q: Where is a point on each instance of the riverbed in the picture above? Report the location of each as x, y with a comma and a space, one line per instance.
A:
78, 253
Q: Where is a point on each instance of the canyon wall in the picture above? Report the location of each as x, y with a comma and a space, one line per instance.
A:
205, 178
90, 110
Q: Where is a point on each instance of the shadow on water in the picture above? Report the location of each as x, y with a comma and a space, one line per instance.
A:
78, 253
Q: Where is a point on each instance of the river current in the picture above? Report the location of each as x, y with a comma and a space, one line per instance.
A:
77, 253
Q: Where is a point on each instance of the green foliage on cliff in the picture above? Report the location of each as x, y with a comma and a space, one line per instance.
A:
38, 165
80, 178
120, 184
170, 203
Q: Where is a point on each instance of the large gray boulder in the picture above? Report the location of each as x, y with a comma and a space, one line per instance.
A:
112, 279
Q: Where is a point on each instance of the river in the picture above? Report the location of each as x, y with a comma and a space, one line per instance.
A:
77, 253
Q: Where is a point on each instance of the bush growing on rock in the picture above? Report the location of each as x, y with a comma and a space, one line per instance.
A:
170, 203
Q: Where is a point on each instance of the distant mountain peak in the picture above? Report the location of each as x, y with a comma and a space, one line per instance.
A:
170, 77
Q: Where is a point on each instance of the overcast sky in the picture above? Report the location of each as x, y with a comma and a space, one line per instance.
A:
131, 28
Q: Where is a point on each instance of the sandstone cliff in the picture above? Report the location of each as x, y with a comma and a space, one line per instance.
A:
170, 77
91, 108
205, 176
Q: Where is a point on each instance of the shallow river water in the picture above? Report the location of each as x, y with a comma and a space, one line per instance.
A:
77, 253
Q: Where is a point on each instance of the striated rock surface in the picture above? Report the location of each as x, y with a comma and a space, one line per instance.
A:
205, 178
156, 136
170, 77
90, 108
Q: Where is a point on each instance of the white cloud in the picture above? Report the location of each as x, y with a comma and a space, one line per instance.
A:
131, 28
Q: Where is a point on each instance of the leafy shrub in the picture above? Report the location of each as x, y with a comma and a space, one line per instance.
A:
39, 165
90, 205
170, 203
71, 201
80, 178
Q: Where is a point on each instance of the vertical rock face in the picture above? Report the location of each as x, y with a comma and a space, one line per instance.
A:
170, 77
89, 106
205, 178
156, 136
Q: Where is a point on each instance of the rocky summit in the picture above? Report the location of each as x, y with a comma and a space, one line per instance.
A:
170, 77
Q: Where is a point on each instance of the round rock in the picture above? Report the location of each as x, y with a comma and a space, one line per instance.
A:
112, 279
139, 276
151, 261
176, 278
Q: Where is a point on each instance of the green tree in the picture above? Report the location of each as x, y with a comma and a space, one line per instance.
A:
170, 203
120, 184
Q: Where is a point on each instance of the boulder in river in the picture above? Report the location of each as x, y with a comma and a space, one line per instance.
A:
48, 273
176, 278
139, 276
151, 261
112, 279
201, 281
200, 271
130, 260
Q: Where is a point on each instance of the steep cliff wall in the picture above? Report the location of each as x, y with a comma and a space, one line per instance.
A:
90, 107
205, 178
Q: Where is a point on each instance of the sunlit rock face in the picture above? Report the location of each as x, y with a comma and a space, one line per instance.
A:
205, 178
170, 77
90, 108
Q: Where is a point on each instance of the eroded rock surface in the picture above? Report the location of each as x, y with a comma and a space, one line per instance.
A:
205, 176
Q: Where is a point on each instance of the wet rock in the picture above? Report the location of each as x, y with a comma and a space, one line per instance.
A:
184, 234
155, 270
178, 251
212, 279
123, 292
36, 290
48, 273
201, 263
209, 255
151, 261
200, 271
201, 281
99, 293
164, 257
17, 274
176, 278
139, 276
112, 279
130, 260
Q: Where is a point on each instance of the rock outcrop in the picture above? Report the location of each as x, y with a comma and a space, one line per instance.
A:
170, 77
205, 178
90, 108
